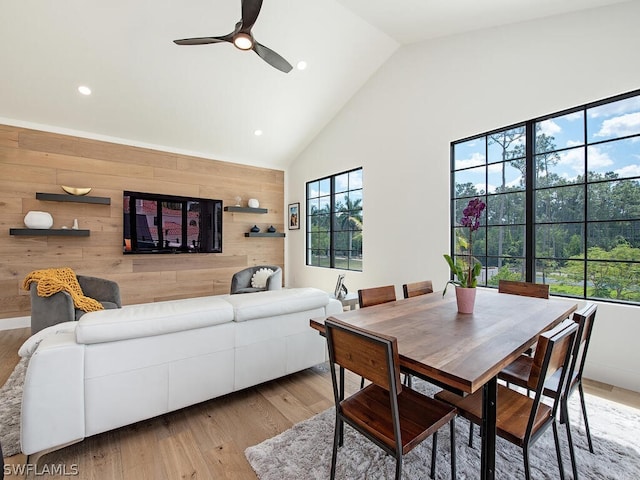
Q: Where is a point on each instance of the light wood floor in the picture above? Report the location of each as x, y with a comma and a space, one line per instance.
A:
206, 441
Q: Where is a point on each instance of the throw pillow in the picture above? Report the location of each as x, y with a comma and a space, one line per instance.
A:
259, 279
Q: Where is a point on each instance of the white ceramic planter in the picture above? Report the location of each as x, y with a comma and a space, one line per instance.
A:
253, 203
38, 220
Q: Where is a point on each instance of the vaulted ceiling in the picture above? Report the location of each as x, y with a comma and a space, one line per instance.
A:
209, 100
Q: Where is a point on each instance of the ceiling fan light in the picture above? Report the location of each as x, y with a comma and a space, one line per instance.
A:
243, 41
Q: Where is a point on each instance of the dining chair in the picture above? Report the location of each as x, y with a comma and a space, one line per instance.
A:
518, 373
395, 418
521, 419
368, 297
417, 288
527, 289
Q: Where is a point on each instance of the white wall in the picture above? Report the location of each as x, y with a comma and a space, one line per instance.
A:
400, 125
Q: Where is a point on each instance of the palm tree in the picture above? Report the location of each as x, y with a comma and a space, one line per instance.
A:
349, 219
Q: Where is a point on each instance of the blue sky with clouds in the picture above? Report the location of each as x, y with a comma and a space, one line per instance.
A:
603, 124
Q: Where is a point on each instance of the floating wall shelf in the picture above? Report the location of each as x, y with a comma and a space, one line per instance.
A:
63, 197
245, 210
49, 232
267, 234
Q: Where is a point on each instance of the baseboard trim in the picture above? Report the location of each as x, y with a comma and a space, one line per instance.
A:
15, 322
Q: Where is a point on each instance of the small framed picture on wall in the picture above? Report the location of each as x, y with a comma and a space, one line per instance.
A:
294, 216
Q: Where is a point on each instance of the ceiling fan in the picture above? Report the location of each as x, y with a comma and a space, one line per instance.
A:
243, 39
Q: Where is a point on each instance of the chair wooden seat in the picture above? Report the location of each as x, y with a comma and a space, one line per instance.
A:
421, 415
511, 422
395, 418
517, 372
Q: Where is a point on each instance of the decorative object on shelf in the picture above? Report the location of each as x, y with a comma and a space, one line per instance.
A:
255, 229
294, 216
271, 229
38, 220
76, 190
253, 203
75, 224
466, 268
238, 201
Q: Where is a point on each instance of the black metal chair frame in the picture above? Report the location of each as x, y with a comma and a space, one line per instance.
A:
588, 316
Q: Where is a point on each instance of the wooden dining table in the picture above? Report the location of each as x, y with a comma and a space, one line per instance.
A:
462, 352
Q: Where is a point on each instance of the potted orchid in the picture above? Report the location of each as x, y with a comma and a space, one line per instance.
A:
467, 269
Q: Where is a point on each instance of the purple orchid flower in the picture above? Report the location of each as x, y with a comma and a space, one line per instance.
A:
471, 219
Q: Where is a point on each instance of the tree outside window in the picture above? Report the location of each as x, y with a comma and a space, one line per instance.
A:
334, 221
563, 200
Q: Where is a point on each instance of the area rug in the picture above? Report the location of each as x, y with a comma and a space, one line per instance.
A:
304, 451
10, 404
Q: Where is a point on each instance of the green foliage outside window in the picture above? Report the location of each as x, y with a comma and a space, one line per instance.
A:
334, 221
580, 207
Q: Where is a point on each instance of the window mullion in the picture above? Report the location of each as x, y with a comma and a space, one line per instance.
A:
332, 221
530, 201
586, 206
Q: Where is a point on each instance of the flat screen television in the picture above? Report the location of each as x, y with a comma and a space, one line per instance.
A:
155, 223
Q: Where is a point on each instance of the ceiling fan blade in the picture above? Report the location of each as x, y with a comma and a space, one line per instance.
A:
250, 11
272, 58
204, 40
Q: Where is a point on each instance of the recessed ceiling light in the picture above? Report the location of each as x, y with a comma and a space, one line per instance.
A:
84, 90
257, 133
302, 65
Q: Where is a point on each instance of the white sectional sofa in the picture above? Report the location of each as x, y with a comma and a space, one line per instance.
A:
116, 367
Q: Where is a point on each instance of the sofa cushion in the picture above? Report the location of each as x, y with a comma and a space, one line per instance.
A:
148, 319
249, 290
30, 345
276, 302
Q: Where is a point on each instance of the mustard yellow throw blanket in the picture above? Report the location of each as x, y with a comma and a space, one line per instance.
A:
54, 280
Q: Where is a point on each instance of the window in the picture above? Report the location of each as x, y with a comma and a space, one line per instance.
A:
563, 200
334, 221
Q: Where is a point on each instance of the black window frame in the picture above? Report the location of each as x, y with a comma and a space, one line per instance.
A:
333, 230
531, 259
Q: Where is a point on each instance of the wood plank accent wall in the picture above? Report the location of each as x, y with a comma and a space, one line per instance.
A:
34, 161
